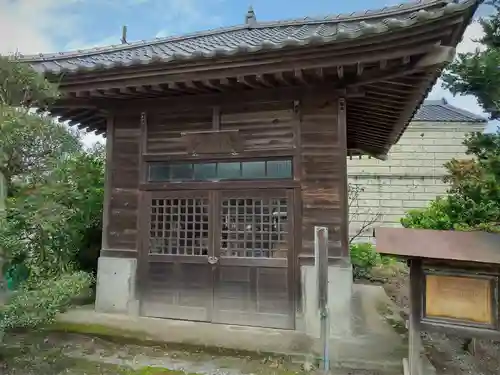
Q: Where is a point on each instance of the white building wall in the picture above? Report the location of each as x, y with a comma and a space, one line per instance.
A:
410, 177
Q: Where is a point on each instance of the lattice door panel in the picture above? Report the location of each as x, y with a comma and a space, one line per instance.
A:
254, 227
179, 226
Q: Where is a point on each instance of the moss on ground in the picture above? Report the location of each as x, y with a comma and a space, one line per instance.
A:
56, 353
122, 336
100, 331
155, 371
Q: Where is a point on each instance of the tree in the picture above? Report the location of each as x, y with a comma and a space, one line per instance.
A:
478, 73
31, 145
40, 158
21, 86
473, 200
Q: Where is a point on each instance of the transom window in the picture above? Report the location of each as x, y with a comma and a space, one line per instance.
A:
217, 171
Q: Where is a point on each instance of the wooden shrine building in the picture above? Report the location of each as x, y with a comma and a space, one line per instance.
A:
225, 148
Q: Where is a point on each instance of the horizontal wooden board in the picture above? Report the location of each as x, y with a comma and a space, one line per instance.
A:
165, 129
123, 199
264, 126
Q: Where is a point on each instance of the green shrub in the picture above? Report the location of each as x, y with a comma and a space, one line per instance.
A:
434, 216
446, 214
363, 258
472, 201
32, 307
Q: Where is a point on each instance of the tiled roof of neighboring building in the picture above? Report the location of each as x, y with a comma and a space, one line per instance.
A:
251, 37
441, 111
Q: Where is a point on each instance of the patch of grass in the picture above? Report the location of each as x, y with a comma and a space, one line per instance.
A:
43, 353
388, 270
32, 360
99, 330
122, 336
153, 371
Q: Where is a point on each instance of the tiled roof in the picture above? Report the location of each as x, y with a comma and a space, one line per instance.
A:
441, 111
250, 37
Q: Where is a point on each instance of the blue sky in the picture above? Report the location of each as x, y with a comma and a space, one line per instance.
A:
58, 25
150, 18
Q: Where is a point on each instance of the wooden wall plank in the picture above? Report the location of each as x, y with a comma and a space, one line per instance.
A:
124, 167
344, 204
262, 126
322, 173
164, 133
107, 181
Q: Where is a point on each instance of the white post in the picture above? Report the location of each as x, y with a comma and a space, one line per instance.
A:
321, 265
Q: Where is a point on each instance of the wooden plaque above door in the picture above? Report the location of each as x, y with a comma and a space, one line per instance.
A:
213, 142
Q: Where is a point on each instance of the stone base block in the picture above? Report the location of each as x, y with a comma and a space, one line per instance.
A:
116, 286
339, 301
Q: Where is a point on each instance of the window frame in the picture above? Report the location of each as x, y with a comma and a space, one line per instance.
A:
149, 180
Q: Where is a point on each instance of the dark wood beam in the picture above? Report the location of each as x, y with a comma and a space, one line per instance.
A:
369, 112
280, 77
277, 66
69, 115
237, 96
247, 81
299, 76
373, 107
196, 87
359, 69
416, 97
212, 85
96, 124
340, 72
82, 120
261, 78
377, 94
370, 120
426, 32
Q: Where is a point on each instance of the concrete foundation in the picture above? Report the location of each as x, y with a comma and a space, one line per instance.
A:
339, 301
116, 286
358, 320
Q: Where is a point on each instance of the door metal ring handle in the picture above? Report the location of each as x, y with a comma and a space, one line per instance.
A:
213, 260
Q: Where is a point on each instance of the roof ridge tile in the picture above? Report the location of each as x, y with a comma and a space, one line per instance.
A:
224, 42
354, 16
441, 111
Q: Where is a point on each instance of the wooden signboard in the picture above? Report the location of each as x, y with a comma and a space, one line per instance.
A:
213, 142
459, 298
454, 284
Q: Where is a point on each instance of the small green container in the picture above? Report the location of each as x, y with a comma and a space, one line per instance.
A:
15, 275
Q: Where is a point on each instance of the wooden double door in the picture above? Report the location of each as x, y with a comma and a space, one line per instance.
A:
218, 256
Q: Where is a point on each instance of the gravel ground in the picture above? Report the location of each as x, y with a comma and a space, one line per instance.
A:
42, 353
45, 353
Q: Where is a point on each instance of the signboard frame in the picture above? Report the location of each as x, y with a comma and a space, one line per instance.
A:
439, 253
493, 298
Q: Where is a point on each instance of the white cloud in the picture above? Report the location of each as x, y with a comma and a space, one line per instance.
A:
469, 41
31, 26
188, 15
162, 33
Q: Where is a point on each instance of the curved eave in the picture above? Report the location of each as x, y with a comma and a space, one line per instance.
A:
372, 26
387, 67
